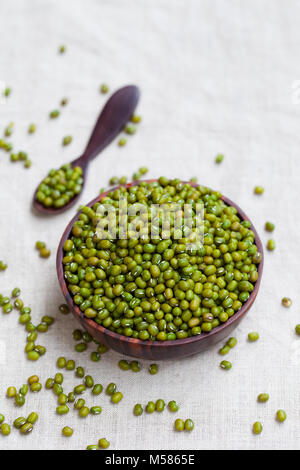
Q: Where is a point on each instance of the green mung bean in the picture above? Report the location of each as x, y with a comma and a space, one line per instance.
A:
135, 366
89, 381
57, 389
138, 409
32, 418
103, 443
36, 387
269, 226
121, 143
111, 389
67, 140
124, 365
188, 425
130, 129
7, 92
281, 416
95, 356
49, 383
257, 428
16, 292
24, 390
62, 399
48, 320
61, 362
7, 308
96, 410
116, 397
31, 128
42, 327
64, 309
179, 425
97, 389
5, 429
224, 350
150, 407
58, 378
80, 347
173, 406
29, 346
226, 365
31, 337
84, 412
102, 349
160, 405
286, 302
45, 253
79, 403
253, 336
219, 158
263, 397
19, 399
77, 335
271, 245
3, 266
71, 397
70, 364
39, 245
87, 338
67, 431
18, 422
104, 88
135, 119
258, 190
62, 410
33, 379
232, 342
41, 350
80, 372
24, 318
54, 114
11, 392
9, 130
153, 369
79, 389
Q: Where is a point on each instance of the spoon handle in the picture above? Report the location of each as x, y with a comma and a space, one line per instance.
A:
114, 116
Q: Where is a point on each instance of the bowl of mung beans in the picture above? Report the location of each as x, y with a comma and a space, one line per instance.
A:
156, 295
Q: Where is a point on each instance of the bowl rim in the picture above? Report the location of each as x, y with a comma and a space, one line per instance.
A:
145, 343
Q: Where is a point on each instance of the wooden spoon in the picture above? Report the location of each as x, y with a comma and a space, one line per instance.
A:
113, 117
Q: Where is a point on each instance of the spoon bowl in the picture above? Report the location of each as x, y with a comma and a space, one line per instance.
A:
112, 119
156, 350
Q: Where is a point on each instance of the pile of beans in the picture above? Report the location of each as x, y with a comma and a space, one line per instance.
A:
60, 186
160, 289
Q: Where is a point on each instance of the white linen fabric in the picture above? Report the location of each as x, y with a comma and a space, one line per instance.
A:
216, 76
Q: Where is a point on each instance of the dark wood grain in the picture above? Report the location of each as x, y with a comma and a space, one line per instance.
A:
112, 119
157, 350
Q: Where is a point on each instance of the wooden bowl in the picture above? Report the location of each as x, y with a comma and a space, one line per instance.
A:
156, 350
